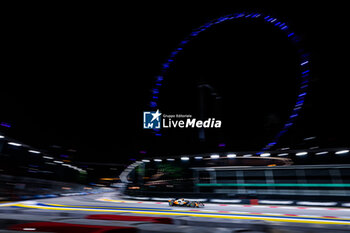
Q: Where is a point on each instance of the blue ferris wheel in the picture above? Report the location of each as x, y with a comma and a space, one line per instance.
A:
304, 66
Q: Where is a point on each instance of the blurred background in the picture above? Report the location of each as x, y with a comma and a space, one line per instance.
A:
76, 80
80, 79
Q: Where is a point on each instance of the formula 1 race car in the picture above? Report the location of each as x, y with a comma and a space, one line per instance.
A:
185, 203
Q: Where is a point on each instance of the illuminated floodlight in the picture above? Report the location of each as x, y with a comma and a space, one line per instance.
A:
170, 159
321, 153
342, 152
198, 157
2, 136
231, 155
265, 154
146, 161
309, 138
185, 158
214, 156
57, 161
47, 157
301, 153
14, 144
34, 151
283, 154
157, 160
248, 155
50, 163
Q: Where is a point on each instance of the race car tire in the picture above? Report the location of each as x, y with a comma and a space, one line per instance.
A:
171, 203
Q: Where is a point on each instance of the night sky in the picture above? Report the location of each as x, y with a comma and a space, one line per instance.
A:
79, 77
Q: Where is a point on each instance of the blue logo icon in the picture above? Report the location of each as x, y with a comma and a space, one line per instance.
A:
151, 120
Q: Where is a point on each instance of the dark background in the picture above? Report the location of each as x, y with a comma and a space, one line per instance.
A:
79, 77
